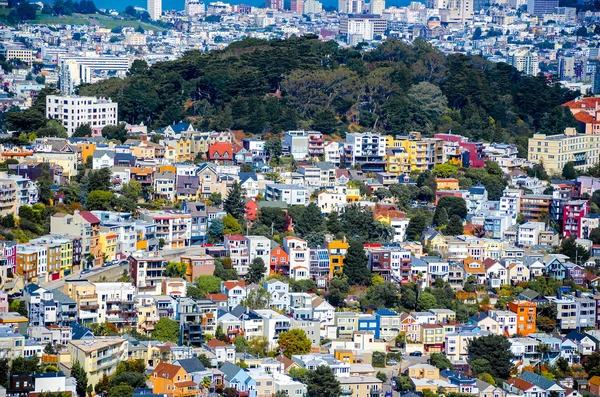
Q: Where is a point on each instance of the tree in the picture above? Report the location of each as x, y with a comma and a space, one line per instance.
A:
425, 302
80, 376
115, 132
569, 171
442, 219
381, 376
241, 345
82, 131
595, 235
495, 349
256, 271
121, 390
130, 378
453, 206
208, 284
440, 361
166, 330
50, 349
416, 226
103, 385
215, 230
355, 266
231, 225
323, 383
4, 370
205, 360
99, 200
409, 299
577, 253
381, 295
215, 199
455, 226
175, 270
445, 170
25, 366
487, 378
480, 366
294, 342
257, 298
234, 203
337, 291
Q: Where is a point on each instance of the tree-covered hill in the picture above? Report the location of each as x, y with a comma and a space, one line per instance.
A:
261, 86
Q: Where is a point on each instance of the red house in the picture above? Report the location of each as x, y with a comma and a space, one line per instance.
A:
251, 210
573, 211
221, 153
280, 262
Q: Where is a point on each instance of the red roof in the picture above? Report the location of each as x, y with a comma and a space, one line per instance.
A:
220, 151
235, 237
165, 370
214, 343
232, 284
88, 216
583, 103
216, 297
520, 383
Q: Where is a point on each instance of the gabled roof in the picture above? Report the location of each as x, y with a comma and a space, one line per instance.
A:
89, 217
520, 384
191, 365
168, 371
214, 343
538, 380
229, 370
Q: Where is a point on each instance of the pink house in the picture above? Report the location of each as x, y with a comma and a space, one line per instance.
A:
573, 211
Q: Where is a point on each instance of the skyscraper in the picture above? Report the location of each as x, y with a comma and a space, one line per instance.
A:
376, 7
275, 4
155, 9
524, 60
541, 7
297, 6
350, 6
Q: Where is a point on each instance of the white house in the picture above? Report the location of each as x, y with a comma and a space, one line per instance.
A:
507, 321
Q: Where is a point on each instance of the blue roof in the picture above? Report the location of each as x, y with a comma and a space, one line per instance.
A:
386, 312
322, 255
477, 190
538, 380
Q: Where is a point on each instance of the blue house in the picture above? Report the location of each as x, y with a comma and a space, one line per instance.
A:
464, 383
238, 379
557, 269
388, 324
368, 322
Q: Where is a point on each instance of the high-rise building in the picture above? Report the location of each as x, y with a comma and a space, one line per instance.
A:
541, 7
275, 4
524, 61
376, 7
566, 67
297, 6
312, 7
350, 6
596, 80
155, 9
77, 70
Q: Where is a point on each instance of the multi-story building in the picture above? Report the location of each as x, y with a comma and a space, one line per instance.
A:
507, 321
337, 250
541, 7
146, 269
526, 316
198, 265
98, 356
172, 227
87, 226
366, 149
15, 52
574, 313
362, 27
237, 247
74, 111
77, 70
299, 257
361, 386
554, 151
529, 233
524, 60
295, 143
155, 9
535, 206
291, 194
573, 214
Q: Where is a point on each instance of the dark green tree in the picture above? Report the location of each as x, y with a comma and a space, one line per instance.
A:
82, 131
256, 271
355, 264
323, 383
577, 253
495, 349
80, 376
455, 226
569, 171
234, 203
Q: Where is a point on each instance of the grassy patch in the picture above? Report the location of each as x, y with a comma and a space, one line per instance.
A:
102, 20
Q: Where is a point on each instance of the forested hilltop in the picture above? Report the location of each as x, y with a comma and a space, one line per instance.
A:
270, 86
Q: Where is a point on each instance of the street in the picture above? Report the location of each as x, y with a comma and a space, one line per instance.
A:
395, 370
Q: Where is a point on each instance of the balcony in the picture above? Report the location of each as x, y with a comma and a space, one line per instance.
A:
89, 306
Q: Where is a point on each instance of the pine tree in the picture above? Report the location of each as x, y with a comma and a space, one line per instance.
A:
234, 204
80, 376
355, 266
256, 270
455, 226
442, 217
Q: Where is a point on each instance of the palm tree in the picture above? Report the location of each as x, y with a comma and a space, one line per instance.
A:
543, 349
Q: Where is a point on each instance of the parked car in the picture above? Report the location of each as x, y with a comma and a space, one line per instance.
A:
107, 264
392, 362
416, 354
124, 262
86, 271
388, 393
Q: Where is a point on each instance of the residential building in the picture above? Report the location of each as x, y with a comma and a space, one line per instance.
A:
74, 111
557, 150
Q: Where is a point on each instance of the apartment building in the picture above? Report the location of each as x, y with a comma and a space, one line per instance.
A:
116, 303
337, 250
573, 213
85, 225
299, 257
74, 111
507, 321
557, 150
173, 228
528, 233
524, 60
289, 193
535, 206
361, 386
526, 316
237, 247
98, 356
197, 265
146, 269
367, 149
77, 70
575, 313
16, 191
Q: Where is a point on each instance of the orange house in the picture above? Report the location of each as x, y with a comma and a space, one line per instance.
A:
280, 262
447, 183
526, 316
174, 381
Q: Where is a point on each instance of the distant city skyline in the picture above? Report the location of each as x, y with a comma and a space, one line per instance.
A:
180, 4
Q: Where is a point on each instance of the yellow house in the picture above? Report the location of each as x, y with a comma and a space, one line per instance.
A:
98, 356
397, 161
143, 151
66, 257
361, 386
337, 254
447, 184
141, 242
493, 248
173, 380
438, 242
108, 244
352, 195
170, 155
167, 168
147, 315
